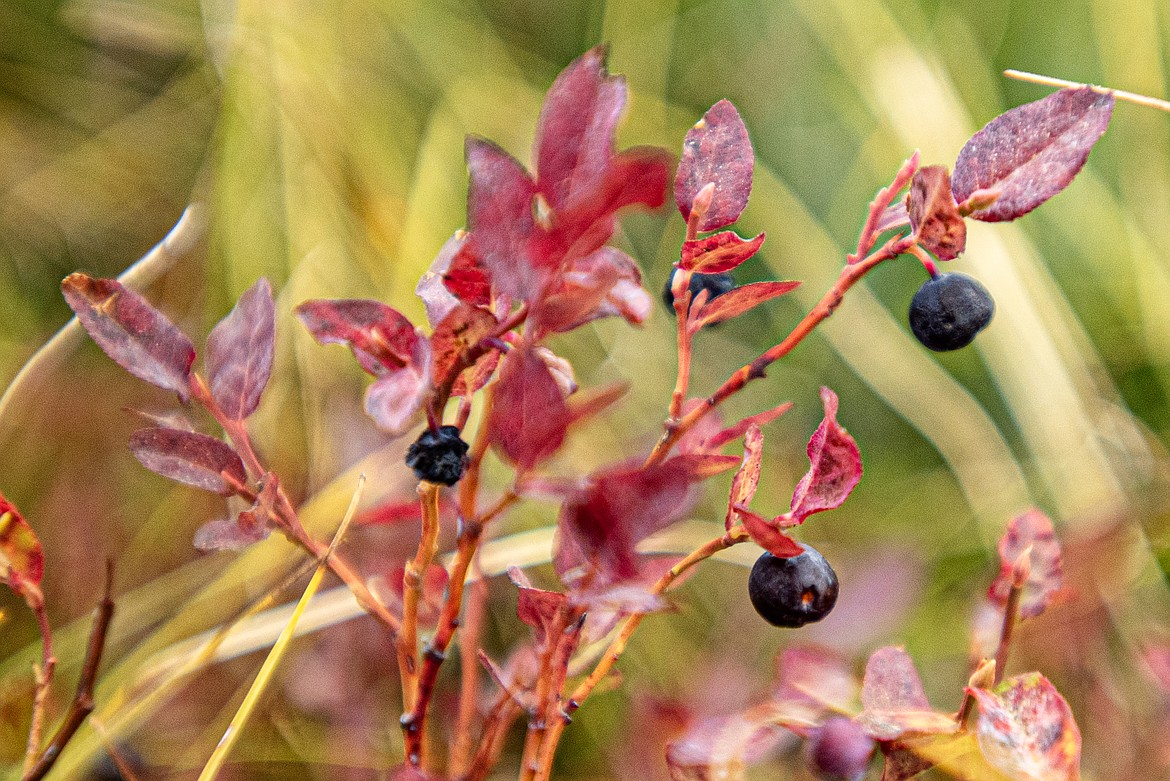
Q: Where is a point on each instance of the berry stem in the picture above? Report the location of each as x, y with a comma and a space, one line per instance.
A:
857, 266
1049, 81
680, 289
408, 664
849, 276
925, 259
617, 646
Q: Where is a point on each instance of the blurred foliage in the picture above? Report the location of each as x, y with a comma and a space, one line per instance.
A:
326, 141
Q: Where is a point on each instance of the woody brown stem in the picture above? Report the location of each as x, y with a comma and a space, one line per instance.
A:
412, 581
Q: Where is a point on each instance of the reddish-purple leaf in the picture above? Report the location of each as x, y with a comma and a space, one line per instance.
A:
479, 375
604, 283
732, 433
133, 333
716, 151
601, 524
528, 416
1156, 655
226, 534
1027, 730
721, 747
1032, 530
893, 700
575, 132
1031, 152
22, 559
835, 467
768, 535
894, 216
381, 338
747, 479
542, 610
438, 300
934, 215
718, 252
462, 328
500, 214
839, 748
592, 401
466, 278
191, 458
240, 350
740, 299
394, 399
811, 682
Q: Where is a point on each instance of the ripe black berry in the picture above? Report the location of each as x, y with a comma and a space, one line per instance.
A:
795, 591
438, 456
715, 284
948, 310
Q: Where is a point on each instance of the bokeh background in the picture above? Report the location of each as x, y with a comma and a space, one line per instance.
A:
323, 143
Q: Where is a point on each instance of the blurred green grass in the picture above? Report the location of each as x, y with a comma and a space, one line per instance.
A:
327, 139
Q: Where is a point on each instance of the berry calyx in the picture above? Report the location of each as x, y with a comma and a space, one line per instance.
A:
948, 310
438, 456
794, 591
715, 285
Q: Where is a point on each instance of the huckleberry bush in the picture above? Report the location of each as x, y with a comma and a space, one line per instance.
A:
533, 262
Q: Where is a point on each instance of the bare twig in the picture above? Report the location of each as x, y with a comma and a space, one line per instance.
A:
83, 702
1131, 97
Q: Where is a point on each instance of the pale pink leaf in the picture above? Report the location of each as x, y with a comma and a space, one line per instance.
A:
240, 351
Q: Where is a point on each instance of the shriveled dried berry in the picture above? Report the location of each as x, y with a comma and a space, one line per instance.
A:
438, 456
839, 750
794, 591
948, 310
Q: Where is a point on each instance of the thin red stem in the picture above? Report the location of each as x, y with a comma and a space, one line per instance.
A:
618, 646
408, 664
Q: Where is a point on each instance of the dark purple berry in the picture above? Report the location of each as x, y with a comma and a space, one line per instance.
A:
794, 591
438, 456
839, 750
715, 284
948, 310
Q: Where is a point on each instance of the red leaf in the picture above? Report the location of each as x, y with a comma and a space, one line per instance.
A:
587, 403
466, 278
893, 700
719, 252
479, 375
740, 299
835, 467
747, 479
394, 399
1031, 152
894, 216
1032, 529
190, 458
1027, 730
602, 523
721, 747
431, 287
528, 416
22, 560
133, 333
604, 283
463, 327
240, 350
732, 433
575, 132
381, 338
716, 150
934, 215
542, 610
226, 534
768, 535
500, 214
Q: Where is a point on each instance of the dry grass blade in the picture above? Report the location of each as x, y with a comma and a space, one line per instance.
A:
231, 735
